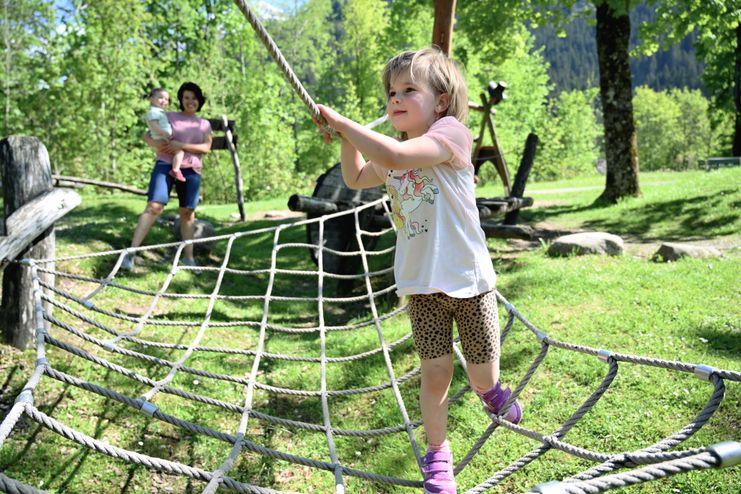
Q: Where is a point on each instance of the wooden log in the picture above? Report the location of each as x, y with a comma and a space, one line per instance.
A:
313, 205
27, 175
498, 230
498, 157
237, 168
523, 172
33, 219
59, 180
500, 205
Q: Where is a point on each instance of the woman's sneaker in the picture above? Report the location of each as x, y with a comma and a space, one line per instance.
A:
437, 468
186, 261
495, 400
128, 261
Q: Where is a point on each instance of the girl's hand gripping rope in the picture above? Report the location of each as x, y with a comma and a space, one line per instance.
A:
333, 123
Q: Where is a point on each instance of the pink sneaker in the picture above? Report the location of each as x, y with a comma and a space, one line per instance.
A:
437, 467
495, 399
177, 175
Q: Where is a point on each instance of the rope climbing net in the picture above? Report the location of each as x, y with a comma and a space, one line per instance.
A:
175, 371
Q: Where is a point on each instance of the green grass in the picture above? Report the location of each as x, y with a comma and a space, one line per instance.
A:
686, 311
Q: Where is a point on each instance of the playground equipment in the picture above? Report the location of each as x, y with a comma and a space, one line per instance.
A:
149, 356
110, 338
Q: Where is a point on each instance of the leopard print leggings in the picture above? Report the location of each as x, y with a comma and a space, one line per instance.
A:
432, 317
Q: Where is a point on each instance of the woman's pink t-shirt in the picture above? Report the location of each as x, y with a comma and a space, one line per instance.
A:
189, 130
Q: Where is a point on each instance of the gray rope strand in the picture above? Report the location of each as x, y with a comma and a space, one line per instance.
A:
250, 385
696, 424
173, 346
272, 327
138, 458
14, 487
700, 461
588, 404
149, 395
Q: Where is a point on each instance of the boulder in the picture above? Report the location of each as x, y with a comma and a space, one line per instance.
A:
580, 244
670, 251
202, 229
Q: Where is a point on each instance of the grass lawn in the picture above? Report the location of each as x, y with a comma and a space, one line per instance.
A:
685, 311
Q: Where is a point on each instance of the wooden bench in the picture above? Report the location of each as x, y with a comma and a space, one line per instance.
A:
716, 163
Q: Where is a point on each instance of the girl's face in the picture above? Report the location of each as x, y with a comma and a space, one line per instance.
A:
190, 102
160, 99
412, 105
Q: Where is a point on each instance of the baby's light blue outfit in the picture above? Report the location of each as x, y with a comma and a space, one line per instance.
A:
158, 114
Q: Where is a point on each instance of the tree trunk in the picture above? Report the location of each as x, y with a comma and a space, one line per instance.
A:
737, 94
616, 91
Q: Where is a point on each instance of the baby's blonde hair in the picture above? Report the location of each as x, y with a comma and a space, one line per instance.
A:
439, 71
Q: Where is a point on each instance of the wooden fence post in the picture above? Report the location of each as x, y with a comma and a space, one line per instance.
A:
26, 175
442, 29
523, 172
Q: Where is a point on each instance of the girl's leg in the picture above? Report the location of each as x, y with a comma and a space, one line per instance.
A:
437, 463
437, 373
478, 326
484, 376
177, 160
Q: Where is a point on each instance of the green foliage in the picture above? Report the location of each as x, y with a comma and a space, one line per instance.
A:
569, 137
674, 129
79, 86
657, 118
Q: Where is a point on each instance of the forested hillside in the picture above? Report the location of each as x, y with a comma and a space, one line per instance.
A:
573, 58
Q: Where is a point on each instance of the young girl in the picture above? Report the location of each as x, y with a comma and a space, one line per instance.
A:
442, 262
160, 128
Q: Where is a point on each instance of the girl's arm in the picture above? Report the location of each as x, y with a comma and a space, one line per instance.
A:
420, 152
156, 130
156, 144
356, 173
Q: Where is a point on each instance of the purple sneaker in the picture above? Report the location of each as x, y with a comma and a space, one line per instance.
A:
495, 399
437, 467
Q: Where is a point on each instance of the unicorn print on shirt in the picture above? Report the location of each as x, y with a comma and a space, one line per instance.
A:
408, 191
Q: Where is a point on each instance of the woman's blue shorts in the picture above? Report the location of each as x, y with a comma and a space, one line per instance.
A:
160, 185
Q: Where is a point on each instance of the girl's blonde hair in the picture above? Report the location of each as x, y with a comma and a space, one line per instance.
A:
436, 69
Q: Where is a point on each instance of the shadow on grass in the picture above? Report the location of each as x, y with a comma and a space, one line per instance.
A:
679, 219
724, 341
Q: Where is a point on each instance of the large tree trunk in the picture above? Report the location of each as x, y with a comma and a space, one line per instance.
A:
616, 91
737, 94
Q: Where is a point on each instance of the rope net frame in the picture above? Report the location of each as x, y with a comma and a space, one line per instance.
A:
166, 371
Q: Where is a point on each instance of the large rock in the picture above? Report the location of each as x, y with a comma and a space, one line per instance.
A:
580, 244
202, 229
670, 251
